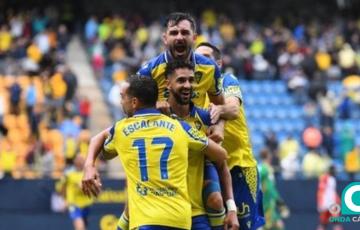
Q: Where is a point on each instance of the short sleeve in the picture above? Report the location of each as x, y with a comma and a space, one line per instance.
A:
204, 116
145, 70
215, 87
109, 145
231, 86
197, 140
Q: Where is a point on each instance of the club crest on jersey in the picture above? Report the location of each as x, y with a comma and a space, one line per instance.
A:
198, 75
198, 125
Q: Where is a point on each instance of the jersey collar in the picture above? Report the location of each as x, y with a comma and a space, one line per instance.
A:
146, 112
192, 111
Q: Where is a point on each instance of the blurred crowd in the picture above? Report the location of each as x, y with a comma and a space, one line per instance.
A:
43, 122
306, 54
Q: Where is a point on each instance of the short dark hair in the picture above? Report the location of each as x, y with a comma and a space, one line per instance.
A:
144, 88
176, 17
177, 64
216, 51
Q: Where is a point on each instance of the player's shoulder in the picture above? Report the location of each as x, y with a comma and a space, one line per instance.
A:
120, 123
229, 77
230, 80
153, 62
204, 114
202, 60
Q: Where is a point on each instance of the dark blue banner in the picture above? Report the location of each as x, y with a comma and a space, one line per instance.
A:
25, 204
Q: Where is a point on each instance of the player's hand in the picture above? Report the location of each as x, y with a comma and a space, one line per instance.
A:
215, 113
91, 183
216, 133
231, 221
164, 107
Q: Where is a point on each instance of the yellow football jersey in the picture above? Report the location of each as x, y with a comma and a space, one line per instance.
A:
207, 76
153, 149
236, 136
74, 194
199, 119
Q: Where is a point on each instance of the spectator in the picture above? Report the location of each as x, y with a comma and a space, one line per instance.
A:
312, 137
85, 109
290, 166
323, 59
2, 112
271, 143
47, 161
43, 42
91, 28
317, 86
15, 96
297, 84
346, 140
63, 38
328, 143
5, 40
30, 99
328, 106
347, 59
345, 108
352, 162
310, 113
71, 83
314, 164
114, 98
7, 159
70, 149
58, 91
289, 146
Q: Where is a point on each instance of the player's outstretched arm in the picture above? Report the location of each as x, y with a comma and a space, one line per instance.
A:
215, 152
91, 184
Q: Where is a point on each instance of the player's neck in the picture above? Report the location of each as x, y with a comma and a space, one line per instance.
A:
187, 58
181, 111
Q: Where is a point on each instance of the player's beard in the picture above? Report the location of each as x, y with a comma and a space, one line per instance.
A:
180, 99
180, 51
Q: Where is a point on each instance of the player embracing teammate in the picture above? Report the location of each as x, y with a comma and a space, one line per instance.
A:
185, 81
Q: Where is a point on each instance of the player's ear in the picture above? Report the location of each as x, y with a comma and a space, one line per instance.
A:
135, 103
163, 37
167, 82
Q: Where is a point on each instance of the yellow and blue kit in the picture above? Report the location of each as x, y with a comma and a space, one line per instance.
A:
200, 120
241, 162
154, 149
198, 171
77, 201
207, 76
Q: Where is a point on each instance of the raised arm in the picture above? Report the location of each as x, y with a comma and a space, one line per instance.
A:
91, 184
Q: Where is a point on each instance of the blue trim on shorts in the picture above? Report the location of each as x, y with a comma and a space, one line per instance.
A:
200, 223
76, 212
248, 210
